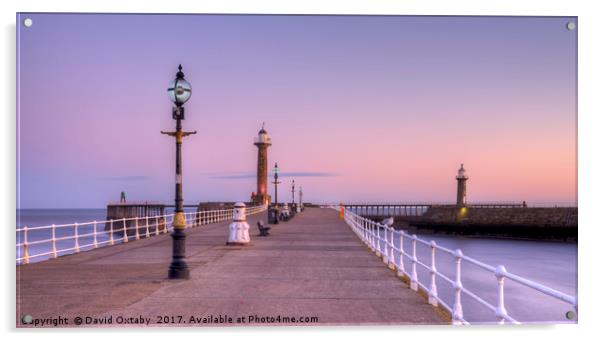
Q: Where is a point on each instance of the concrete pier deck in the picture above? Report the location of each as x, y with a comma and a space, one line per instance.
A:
311, 266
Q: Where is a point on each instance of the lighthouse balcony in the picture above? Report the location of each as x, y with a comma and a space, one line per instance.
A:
262, 139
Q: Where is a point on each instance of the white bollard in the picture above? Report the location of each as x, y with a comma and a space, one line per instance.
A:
239, 229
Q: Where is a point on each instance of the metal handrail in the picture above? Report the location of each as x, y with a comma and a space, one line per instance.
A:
476, 204
369, 232
158, 223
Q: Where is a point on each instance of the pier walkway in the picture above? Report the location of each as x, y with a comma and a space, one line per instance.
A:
311, 266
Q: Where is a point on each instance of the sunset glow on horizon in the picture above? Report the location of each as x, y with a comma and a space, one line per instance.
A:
359, 108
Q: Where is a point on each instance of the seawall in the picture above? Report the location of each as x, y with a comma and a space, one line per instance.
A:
547, 223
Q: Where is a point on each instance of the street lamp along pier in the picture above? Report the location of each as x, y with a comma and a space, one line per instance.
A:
179, 92
275, 211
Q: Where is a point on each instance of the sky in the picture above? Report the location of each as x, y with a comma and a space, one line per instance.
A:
361, 109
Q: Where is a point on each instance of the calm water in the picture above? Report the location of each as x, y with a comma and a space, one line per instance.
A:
553, 264
550, 263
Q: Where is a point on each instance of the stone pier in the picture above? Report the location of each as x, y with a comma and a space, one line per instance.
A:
310, 267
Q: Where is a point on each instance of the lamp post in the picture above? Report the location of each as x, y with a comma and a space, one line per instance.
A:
293, 191
276, 170
179, 92
300, 197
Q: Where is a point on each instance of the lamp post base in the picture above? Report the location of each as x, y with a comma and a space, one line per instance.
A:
178, 268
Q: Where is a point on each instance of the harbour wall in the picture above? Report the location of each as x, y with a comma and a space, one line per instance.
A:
538, 223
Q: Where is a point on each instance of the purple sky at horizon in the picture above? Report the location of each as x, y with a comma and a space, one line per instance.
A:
359, 108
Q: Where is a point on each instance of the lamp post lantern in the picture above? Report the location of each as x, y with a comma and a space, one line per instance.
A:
179, 92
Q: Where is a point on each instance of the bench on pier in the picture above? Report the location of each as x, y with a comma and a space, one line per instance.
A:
263, 230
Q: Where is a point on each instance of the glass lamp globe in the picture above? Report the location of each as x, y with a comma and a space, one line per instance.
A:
276, 170
179, 91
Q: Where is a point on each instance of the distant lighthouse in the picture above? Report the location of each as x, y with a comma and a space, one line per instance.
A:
462, 177
262, 141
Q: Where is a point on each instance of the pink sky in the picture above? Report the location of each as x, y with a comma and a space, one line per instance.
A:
360, 109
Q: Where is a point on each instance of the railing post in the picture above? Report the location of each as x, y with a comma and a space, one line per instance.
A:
414, 276
147, 228
368, 233
137, 232
76, 238
25, 246
401, 269
125, 231
111, 240
433, 270
385, 244
365, 230
378, 240
500, 310
95, 238
458, 314
54, 253
157, 223
374, 240
392, 249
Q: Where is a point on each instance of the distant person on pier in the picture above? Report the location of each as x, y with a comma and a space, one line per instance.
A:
122, 200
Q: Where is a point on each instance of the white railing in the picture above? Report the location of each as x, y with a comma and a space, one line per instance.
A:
73, 238
381, 240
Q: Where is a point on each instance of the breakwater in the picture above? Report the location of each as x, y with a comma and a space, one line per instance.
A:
547, 223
